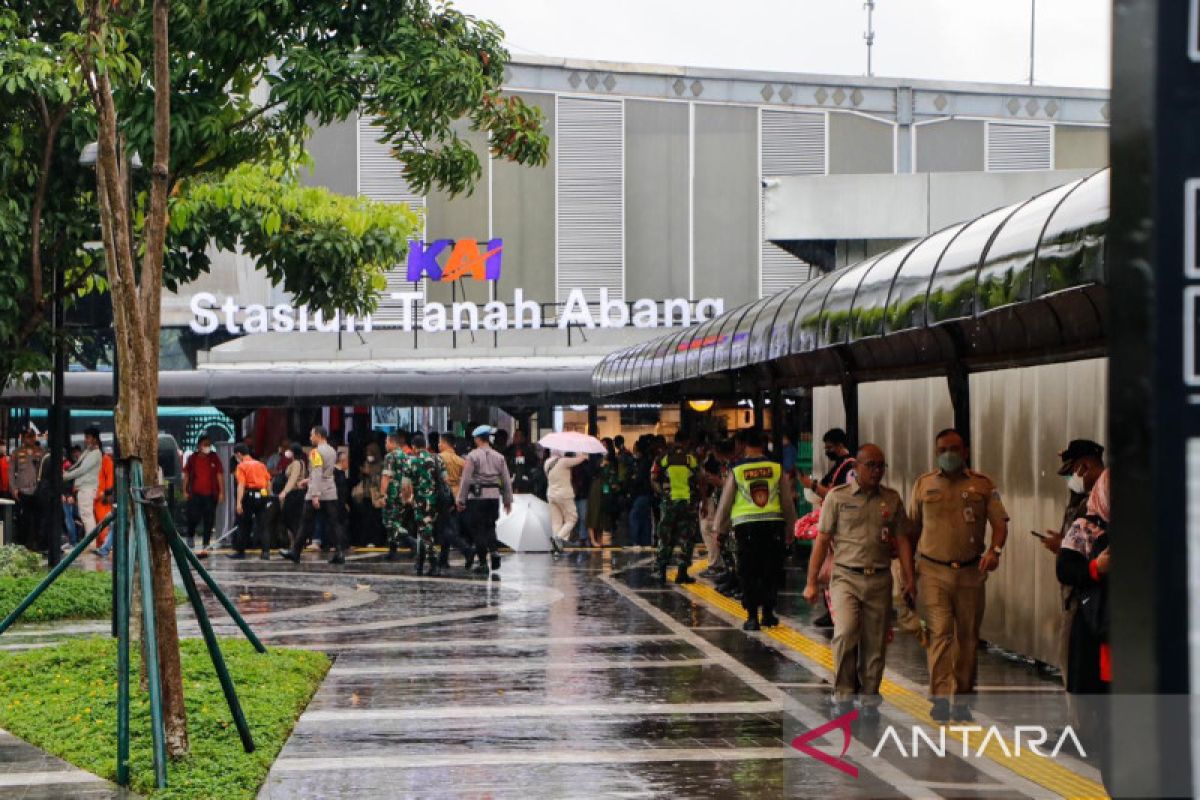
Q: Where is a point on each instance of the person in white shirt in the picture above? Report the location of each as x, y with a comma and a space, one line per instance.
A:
86, 474
560, 494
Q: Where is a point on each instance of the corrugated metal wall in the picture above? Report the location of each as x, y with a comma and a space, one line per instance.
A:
1020, 420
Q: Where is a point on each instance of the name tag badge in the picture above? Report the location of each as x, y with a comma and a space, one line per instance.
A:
969, 514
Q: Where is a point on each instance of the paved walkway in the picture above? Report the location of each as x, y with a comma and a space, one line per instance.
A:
581, 678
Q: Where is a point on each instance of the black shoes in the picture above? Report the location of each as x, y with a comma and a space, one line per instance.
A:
661, 574
769, 620
393, 553
961, 712
824, 621
479, 569
681, 576
266, 556
495, 561
237, 556
338, 558
940, 712
751, 624
288, 555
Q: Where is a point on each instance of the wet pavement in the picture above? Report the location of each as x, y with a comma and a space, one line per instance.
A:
582, 677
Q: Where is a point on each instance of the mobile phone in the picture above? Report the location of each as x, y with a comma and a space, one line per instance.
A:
1039, 535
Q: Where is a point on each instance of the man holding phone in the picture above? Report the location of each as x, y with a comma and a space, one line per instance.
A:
1082, 465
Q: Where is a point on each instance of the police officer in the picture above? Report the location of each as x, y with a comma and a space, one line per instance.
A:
951, 507
253, 497
862, 519
321, 498
23, 481
484, 485
757, 502
676, 479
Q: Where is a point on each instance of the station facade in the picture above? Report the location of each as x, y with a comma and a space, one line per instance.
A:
671, 195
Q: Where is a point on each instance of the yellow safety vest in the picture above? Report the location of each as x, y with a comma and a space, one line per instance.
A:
757, 499
678, 469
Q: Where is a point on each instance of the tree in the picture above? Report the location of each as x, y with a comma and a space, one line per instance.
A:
180, 84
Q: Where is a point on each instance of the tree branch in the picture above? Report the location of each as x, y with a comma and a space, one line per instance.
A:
39, 199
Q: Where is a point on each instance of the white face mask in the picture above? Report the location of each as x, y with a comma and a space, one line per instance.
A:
1075, 484
370, 459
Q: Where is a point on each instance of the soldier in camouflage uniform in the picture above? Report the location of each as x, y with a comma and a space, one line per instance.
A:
392, 485
422, 471
676, 477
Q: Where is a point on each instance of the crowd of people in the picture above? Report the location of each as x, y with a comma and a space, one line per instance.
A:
27, 478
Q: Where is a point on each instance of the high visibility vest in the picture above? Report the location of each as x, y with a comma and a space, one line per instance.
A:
757, 499
678, 469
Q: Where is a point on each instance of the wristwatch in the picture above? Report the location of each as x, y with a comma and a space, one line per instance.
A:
998, 550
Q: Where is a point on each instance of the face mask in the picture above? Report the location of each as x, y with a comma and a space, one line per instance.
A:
1075, 484
370, 459
950, 462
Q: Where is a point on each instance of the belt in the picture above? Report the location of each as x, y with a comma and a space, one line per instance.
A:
953, 564
865, 570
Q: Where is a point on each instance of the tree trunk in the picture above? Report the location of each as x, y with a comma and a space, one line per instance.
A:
137, 298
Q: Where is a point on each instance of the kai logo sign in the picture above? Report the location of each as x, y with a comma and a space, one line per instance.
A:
463, 259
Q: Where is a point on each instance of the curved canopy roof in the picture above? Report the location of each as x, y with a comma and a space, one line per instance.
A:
232, 388
1022, 284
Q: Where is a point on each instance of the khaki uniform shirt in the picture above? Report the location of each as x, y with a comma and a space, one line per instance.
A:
452, 462
322, 461
24, 467
952, 514
856, 519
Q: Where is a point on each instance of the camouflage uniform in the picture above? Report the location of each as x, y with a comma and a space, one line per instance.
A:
395, 512
423, 471
680, 520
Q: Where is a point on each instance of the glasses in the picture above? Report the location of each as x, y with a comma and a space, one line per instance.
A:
874, 465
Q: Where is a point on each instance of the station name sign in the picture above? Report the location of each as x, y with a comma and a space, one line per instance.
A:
411, 311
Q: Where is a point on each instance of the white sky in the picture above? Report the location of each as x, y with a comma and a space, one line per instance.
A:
967, 40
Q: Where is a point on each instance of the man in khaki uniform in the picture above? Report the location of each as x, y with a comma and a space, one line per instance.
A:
951, 508
862, 520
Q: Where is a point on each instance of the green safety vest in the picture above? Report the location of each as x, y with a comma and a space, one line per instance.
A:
678, 470
757, 498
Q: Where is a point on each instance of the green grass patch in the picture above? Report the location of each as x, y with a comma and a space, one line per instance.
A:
75, 595
63, 699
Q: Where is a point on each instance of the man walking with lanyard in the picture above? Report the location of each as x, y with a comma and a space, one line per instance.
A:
485, 483
757, 501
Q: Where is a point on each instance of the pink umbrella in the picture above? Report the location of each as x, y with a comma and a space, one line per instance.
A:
570, 442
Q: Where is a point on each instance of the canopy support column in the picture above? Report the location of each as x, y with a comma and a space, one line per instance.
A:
958, 379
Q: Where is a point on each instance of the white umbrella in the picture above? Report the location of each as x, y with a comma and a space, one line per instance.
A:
570, 442
527, 528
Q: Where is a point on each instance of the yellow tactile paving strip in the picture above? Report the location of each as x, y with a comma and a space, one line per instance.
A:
1038, 769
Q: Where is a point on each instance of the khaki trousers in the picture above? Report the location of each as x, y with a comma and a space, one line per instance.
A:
708, 532
862, 605
953, 602
563, 517
907, 619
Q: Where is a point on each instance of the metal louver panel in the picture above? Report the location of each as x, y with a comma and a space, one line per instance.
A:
1019, 147
381, 177
792, 143
590, 209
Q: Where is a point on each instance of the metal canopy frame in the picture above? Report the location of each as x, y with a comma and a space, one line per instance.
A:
1020, 285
